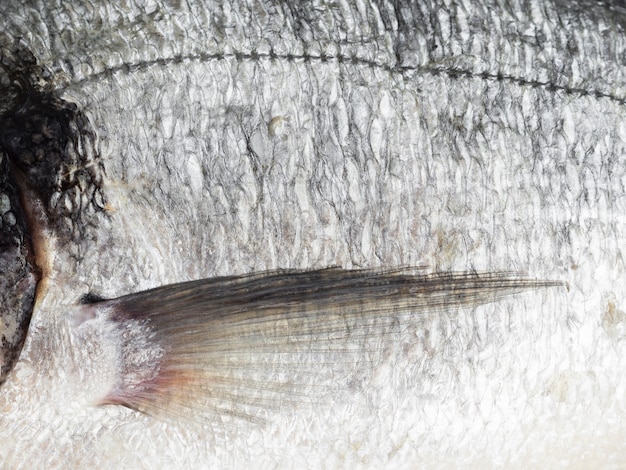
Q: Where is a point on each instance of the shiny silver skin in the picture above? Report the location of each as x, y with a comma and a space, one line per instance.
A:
463, 135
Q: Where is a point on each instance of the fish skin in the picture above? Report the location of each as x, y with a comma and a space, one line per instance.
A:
436, 146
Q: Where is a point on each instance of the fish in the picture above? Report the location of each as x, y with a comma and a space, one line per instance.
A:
212, 164
205, 349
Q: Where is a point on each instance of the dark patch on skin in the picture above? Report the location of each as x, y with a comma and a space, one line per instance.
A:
50, 184
51, 146
43, 139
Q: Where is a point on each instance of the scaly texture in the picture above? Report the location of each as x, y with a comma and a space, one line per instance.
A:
467, 135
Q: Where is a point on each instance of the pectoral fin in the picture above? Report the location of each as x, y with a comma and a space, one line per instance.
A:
244, 345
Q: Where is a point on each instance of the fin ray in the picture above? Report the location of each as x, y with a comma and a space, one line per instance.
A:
242, 344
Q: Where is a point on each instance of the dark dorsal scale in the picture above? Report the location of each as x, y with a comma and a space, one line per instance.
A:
50, 185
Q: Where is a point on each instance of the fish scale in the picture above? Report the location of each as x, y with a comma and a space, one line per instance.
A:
174, 345
473, 137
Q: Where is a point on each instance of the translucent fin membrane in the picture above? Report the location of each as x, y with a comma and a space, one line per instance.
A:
244, 345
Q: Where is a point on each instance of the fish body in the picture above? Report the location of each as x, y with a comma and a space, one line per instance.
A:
468, 137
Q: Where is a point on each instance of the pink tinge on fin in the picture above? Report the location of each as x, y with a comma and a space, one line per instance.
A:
132, 395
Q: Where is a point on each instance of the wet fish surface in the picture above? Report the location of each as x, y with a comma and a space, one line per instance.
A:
162, 160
